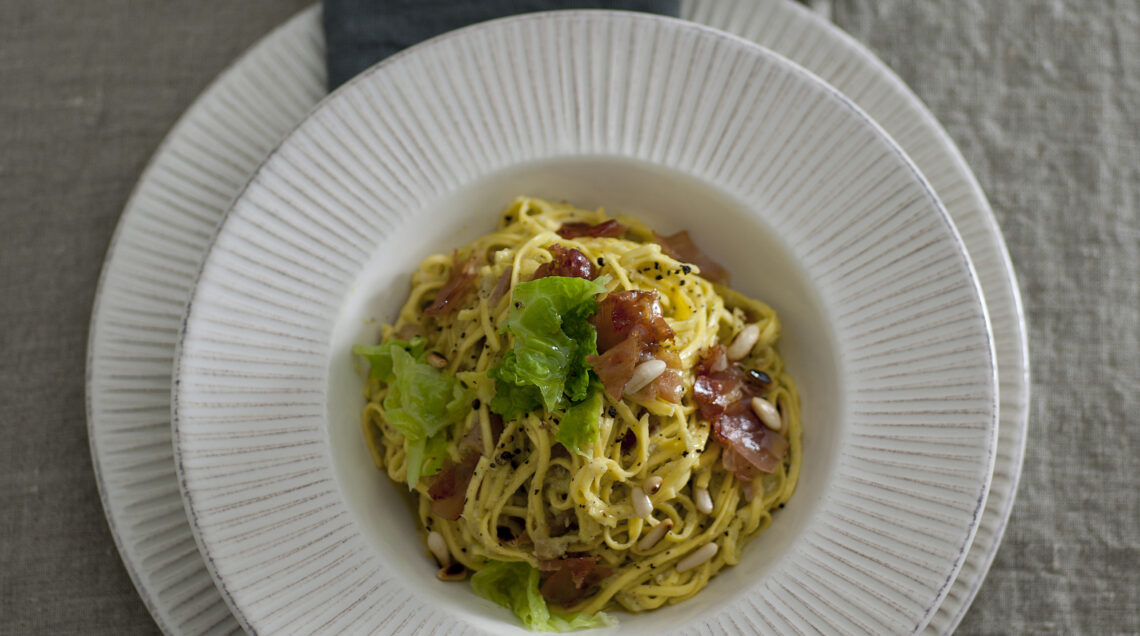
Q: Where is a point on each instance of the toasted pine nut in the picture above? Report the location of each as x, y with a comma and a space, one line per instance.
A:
438, 548
703, 500
453, 572
744, 342
767, 413
652, 485
642, 507
697, 557
436, 360
654, 535
645, 373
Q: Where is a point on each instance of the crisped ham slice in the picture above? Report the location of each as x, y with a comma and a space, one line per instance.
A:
681, 247
718, 385
449, 488
448, 297
566, 262
723, 392
668, 386
567, 580
615, 366
715, 392
502, 285
618, 312
631, 329
609, 229
746, 438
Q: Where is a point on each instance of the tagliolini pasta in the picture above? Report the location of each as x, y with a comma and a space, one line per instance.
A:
588, 417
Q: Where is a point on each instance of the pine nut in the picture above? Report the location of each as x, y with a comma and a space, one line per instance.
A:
767, 413
744, 342
453, 572
703, 500
656, 534
438, 548
436, 360
642, 507
698, 557
645, 373
652, 485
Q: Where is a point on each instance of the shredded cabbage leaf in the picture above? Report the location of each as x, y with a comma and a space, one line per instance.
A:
422, 401
514, 585
579, 426
547, 366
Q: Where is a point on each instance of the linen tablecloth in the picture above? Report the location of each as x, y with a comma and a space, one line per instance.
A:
1042, 96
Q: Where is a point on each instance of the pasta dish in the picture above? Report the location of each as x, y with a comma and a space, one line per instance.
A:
587, 416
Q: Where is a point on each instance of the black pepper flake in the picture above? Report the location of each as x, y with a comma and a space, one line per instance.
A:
686, 269
659, 277
682, 281
781, 506
652, 566
601, 262
476, 404
656, 265
508, 218
612, 411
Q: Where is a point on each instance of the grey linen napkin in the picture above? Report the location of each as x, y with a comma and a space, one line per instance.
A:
359, 33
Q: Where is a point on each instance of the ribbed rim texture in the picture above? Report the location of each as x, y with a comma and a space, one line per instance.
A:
911, 480
202, 164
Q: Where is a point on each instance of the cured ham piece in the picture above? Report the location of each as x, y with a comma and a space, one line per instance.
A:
449, 488
681, 247
723, 392
668, 386
567, 262
569, 579
457, 285
502, 285
754, 447
618, 312
631, 330
607, 229
615, 366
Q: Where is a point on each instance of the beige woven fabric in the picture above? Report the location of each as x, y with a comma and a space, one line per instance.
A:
1043, 97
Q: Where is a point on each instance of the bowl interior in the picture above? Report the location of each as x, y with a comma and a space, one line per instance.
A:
668, 201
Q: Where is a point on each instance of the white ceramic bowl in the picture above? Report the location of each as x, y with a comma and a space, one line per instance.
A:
798, 193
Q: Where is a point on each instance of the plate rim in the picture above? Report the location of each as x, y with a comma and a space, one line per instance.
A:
957, 241
131, 211
1011, 460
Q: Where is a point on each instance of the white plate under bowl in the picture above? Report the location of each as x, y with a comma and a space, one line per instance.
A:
211, 152
778, 175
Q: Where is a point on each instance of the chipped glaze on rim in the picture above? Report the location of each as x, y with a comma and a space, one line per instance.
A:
400, 156
170, 576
